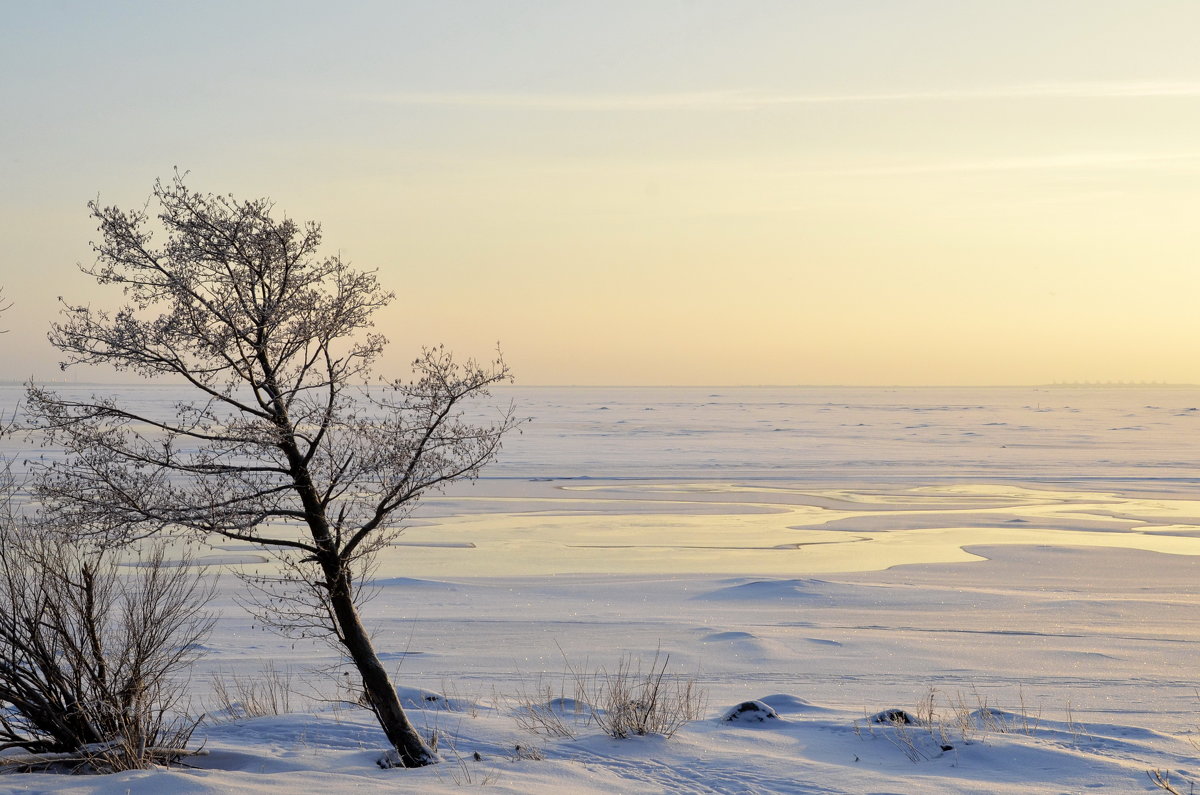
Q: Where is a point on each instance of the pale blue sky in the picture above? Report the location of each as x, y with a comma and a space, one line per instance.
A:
663, 192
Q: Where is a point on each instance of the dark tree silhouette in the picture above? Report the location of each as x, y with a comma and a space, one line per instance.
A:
281, 448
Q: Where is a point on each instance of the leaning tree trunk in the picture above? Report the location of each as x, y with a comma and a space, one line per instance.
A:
377, 686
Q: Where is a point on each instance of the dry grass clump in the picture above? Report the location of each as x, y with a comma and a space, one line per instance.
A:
244, 696
932, 729
543, 713
630, 699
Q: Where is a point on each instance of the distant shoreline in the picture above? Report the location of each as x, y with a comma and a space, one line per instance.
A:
1056, 385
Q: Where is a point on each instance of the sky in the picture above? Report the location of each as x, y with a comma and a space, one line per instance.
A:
668, 192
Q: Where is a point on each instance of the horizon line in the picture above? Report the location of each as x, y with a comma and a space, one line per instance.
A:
1051, 385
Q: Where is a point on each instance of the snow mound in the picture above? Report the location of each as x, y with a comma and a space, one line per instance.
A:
735, 635
770, 589
750, 712
419, 698
567, 706
893, 717
785, 702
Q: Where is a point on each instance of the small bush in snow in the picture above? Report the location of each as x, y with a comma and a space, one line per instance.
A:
630, 700
90, 654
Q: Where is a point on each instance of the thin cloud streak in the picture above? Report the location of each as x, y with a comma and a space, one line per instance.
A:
753, 100
1088, 161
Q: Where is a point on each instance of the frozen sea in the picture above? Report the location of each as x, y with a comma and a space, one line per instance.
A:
1137, 435
841, 434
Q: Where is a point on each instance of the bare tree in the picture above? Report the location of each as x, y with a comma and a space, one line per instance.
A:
279, 449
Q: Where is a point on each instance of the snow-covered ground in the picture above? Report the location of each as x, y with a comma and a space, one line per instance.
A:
1027, 559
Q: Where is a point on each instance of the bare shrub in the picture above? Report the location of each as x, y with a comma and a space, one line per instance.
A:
90, 656
539, 711
244, 696
522, 753
630, 700
465, 770
905, 737
1162, 780
975, 714
919, 735
1078, 730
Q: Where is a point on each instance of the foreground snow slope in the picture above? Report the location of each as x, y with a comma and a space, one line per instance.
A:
1083, 654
